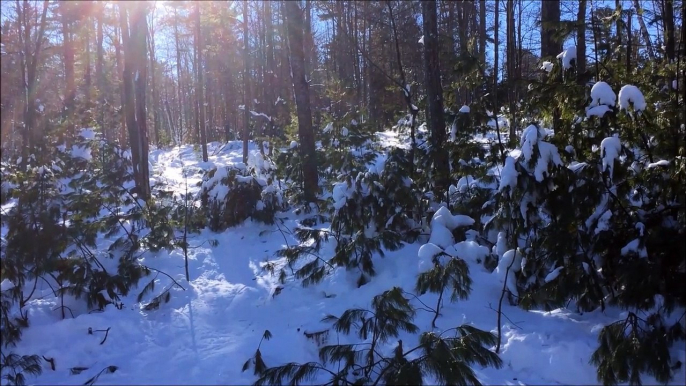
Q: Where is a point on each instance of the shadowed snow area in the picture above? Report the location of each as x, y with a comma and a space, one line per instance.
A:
205, 333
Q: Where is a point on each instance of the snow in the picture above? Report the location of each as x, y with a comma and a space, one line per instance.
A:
421, 40
635, 247
602, 94
464, 109
567, 56
212, 326
293, 145
87, 134
610, 148
553, 274
256, 114
508, 176
547, 66
344, 131
675, 84
659, 163
78, 151
597, 111
509, 263
631, 95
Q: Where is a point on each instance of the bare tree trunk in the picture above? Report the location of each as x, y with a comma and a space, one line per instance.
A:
87, 77
271, 75
138, 39
434, 95
302, 100
550, 17
628, 43
183, 120
405, 89
30, 56
644, 29
200, 84
496, 41
581, 42
482, 32
153, 80
668, 20
246, 82
129, 98
68, 57
118, 42
100, 75
510, 50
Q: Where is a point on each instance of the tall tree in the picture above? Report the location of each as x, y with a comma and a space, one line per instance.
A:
550, 19
434, 94
200, 84
644, 29
99, 72
295, 22
66, 17
581, 42
246, 82
30, 56
134, 34
668, 22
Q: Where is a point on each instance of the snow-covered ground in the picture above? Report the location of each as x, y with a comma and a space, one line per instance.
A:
207, 331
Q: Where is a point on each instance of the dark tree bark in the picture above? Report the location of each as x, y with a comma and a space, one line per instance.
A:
482, 32
200, 84
550, 18
295, 22
128, 97
581, 42
434, 94
135, 58
183, 119
246, 82
155, 92
511, 68
100, 75
668, 20
87, 77
644, 30
118, 42
29, 57
68, 58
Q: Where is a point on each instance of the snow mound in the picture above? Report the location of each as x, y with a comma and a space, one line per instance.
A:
610, 148
567, 56
631, 95
602, 94
547, 66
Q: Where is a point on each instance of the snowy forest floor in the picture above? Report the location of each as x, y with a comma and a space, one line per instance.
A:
207, 331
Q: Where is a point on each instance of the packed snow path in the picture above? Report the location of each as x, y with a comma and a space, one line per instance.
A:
206, 333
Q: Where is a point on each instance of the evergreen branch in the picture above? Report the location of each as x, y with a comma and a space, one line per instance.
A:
506, 317
165, 274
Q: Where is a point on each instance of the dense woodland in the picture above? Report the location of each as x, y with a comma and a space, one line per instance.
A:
583, 211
